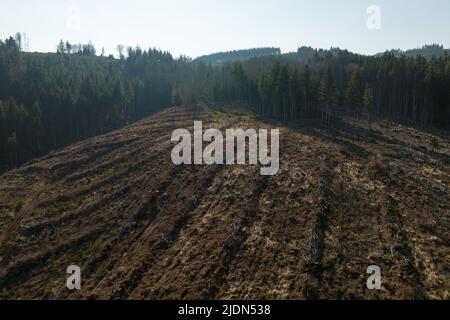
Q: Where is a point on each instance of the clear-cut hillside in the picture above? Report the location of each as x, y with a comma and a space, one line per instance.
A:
139, 227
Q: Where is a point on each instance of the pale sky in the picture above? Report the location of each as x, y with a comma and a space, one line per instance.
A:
196, 27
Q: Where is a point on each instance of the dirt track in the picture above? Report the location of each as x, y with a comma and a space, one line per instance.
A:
141, 228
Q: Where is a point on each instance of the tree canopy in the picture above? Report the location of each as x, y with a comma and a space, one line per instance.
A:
51, 100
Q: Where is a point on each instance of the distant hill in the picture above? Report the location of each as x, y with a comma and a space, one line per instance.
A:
427, 51
305, 54
238, 55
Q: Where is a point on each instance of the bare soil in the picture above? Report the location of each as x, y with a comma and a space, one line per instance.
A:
345, 198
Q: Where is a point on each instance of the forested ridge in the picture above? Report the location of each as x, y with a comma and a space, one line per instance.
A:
238, 55
428, 51
51, 100
405, 89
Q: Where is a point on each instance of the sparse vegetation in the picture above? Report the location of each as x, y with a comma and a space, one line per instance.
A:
339, 203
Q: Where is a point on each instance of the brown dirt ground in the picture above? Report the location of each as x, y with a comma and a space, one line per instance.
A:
345, 198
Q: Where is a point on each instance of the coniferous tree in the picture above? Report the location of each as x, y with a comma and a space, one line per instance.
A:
354, 92
368, 102
61, 48
328, 95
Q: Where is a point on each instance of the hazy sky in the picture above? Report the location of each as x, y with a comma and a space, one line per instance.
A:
196, 27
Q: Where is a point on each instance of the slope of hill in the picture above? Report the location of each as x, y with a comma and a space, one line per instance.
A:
139, 227
238, 55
